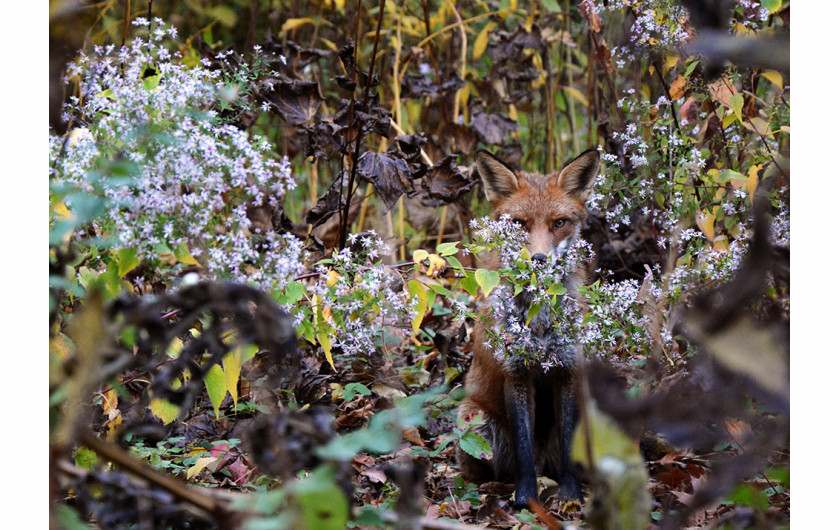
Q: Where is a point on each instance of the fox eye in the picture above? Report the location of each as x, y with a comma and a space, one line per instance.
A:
560, 223
519, 222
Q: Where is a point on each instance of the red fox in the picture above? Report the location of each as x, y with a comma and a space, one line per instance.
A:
530, 413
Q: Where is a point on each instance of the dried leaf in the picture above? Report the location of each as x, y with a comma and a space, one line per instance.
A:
492, 128
295, 100
389, 174
446, 182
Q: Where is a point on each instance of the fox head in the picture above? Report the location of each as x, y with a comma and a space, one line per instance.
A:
551, 208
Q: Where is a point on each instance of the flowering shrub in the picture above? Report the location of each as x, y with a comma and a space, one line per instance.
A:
603, 317
191, 181
355, 303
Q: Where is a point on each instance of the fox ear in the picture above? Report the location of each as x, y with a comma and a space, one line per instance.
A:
578, 176
499, 180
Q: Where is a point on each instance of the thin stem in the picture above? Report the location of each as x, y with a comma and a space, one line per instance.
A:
357, 151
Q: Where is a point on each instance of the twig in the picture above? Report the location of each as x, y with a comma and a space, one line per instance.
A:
357, 151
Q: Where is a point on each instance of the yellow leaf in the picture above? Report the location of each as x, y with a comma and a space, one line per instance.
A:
175, 347
182, 254
328, 43
774, 77
419, 255
437, 265
670, 62
294, 23
416, 288
78, 135
480, 44
759, 126
216, 386
706, 223
332, 278
752, 181
232, 366
164, 410
720, 243
577, 94
61, 211
324, 341
199, 465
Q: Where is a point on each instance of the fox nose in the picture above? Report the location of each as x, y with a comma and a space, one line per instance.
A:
539, 258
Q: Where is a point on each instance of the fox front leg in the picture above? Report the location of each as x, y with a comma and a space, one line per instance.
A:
566, 412
519, 405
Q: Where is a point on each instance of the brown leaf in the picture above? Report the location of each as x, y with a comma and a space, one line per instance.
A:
677, 89
721, 90
295, 100
389, 174
327, 205
446, 182
375, 475
458, 138
689, 109
492, 128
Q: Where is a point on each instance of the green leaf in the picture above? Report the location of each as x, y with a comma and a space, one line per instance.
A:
441, 290
476, 445
772, 6
128, 260
557, 289
468, 283
85, 458
619, 469
727, 174
736, 102
487, 280
447, 249
354, 388
322, 503
151, 82
216, 387
294, 292
455, 264
690, 69
532, 311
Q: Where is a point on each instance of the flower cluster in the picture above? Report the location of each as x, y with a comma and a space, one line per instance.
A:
535, 310
193, 181
358, 301
501, 235
614, 322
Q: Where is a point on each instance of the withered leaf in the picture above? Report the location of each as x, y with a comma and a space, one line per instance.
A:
295, 100
445, 182
493, 127
374, 120
345, 82
458, 138
410, 144
296, 56
417, 86
327, 204
321, 137
389, 174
